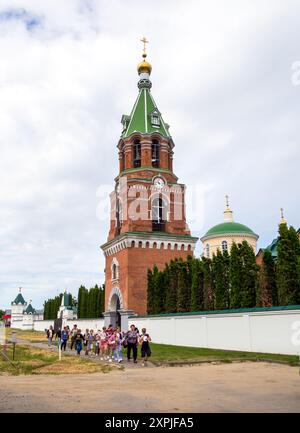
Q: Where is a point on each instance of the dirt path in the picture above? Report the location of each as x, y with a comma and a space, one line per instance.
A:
69, 352
245, 387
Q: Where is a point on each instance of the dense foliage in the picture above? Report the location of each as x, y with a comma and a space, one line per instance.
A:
51, 307
90, 302
229, 280
288, 266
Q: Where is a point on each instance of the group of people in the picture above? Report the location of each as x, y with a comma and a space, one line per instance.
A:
107, 343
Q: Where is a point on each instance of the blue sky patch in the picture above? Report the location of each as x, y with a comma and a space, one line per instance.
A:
30, 21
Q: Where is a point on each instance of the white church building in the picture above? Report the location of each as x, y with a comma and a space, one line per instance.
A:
23, 315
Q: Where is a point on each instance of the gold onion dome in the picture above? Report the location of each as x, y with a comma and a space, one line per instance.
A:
144, 66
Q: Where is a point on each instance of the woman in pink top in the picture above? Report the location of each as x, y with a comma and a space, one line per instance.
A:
103, 343
111, 346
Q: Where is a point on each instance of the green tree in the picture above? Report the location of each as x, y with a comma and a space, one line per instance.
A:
249, 276
220, 275
82, 303
267, 288
102, 298
51, 307
160, 287
171, 295
183, 291
235, 276
208, 287
288, 267
197, 285
46, 310
97, 301
156, 289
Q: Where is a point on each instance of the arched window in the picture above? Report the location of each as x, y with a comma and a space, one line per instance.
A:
123, 159
119, 215
224, 246
207, 250
158, 215
136, 153
114, 269
155, 153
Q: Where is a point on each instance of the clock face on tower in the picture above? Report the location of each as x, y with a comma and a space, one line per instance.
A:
158, 183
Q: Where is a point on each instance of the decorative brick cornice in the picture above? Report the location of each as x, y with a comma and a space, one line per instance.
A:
165, 241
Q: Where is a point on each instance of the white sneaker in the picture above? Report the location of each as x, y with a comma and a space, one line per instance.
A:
101, 359
110, 360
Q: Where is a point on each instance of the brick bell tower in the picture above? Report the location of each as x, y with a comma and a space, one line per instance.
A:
147, 220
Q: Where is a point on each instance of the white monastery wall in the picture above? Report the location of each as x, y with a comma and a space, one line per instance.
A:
83, 324
267, 331
41, 325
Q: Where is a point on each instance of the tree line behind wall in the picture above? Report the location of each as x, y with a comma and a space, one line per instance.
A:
89, 303
229, 280
51, 307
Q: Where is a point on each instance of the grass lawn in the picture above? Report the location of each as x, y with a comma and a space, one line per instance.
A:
30, 360
34, 336
166, 353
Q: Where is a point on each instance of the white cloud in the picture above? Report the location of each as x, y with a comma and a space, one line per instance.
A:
221, 76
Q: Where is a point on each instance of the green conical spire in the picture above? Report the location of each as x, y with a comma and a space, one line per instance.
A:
19, 299
145, 116
30, 309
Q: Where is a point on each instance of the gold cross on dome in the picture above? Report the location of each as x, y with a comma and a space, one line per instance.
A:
227, 200
144, 40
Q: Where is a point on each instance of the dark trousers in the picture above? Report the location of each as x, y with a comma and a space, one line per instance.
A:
63, 344
72, 342
78, 347
132, 346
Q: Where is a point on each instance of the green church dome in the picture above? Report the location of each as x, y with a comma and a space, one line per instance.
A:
227, 228
19, 299
30, 309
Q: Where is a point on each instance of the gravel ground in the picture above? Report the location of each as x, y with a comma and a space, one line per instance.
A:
244, 387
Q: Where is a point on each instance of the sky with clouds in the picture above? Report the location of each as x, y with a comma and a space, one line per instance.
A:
224, 79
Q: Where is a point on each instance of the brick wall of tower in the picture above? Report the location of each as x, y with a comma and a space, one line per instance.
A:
133, 265
126, 152
141, 221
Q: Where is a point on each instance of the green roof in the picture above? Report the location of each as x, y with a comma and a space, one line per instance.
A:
19, 300
273, 247
141, 117
67, 300
229, 228
30, 310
